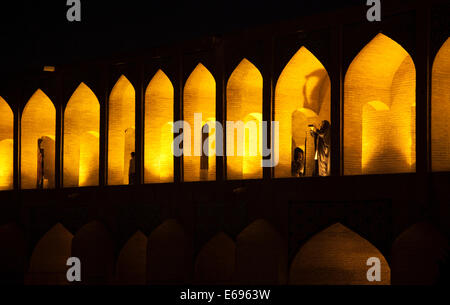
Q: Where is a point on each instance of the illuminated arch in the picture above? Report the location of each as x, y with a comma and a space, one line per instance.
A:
336, 256
302, 97
6, 146
38, 122
158, 136
49, 258
215, 261
261, 256
440, 110
200, 97
121, 119
81, 138
244, 104
380, 110
168, 259
93, 245
131, 264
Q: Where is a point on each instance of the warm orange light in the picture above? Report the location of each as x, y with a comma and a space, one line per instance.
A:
440, 110
81, 138
302, 97
120, 131
6, 146
200, 97
49, 258
336, 256
379, 110
158, 137
38, 121
244, 104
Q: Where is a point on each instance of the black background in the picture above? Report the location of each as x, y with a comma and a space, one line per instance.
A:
37, 33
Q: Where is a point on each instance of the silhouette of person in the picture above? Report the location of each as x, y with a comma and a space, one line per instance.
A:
132, 169
40, 166
322, 154
298, 164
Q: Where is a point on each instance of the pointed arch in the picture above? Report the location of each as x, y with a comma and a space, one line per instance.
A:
216, 261
261, 255
158, 136
6, 146
336, 256
244, 97
94, 246
380, 140
38, 122
440, 109
49, 257
81, 138
131, 264
122, 102
199, 97
302, 97
168, 254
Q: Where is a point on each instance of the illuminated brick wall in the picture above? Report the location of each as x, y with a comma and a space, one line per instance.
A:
158, 136
120, 131
440, 110
6, 145
336, 256
244, 103
302, 97
81, 139
200, 97
379, 110
38, 121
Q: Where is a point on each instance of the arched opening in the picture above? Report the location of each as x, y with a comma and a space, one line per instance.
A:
168, 254
158, 135
130, 269
81, 139
244, 113
38, 142
200, 98
215, 261
6, 146
93, 245
302, 98
48, 261
261, 255
336, 256
440, 110
379, 110
121, 126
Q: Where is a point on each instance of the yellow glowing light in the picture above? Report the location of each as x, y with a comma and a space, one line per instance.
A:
6, 145
302, 97
81, 138
440, 110
121, 119
158, 137
379, 110
244, 97
38, 121
199, 97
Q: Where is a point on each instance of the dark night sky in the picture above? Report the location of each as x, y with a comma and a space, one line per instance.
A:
35, 33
